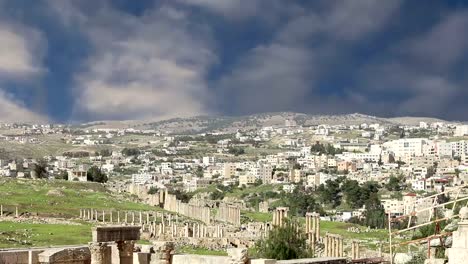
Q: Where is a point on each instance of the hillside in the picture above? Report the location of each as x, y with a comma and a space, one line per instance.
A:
205, 124
61, 198
230, 124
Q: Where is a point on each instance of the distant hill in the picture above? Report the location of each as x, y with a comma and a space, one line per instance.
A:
409, 120
204, 124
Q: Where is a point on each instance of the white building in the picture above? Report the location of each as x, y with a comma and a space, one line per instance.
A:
407, 147
208, 161
262, 172
461, 130
142, 178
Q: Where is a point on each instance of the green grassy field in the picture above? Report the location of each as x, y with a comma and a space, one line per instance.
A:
200, 251
257, 216
19, 235
253, 189
61, 198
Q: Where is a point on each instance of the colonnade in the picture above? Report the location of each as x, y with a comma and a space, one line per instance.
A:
279, 216
229, 214
355, 250
333, 246
312, 228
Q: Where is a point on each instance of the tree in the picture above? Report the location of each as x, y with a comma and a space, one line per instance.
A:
216, 195
282, 243
95, 174
258, 182
130, 152
40, 170
301, 201
153, 190
330, 193
199, 172
375, 213
63, 175
430, 171
105, 152
394, 184
317, 148
236, 151
182, 196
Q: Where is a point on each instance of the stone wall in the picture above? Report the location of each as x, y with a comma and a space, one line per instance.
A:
20, 256
201, 213
62, 255
79, 255
142, 192
229, 214
314, 261
199, 259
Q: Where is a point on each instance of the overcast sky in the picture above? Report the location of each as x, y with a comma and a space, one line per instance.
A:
84, 60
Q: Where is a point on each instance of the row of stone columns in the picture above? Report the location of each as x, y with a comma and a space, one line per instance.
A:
333, 246
279, 216
201, 213
197, 230
127, 217
355, 251
230, 214
2, 212
312, 228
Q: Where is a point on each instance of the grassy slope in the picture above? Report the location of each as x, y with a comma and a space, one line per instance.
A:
200, 251
32, 196
14, 235
257, 216
253, 189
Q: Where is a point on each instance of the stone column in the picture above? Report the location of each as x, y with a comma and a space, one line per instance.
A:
325, 242
110, 215
355, 249
100, 253
335, 246
147, 218
133, 218
317, 226
1, 210
164, 252
126, 251
330, 246
341, 250
103, 216
16, 212
118, 217
141, 218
